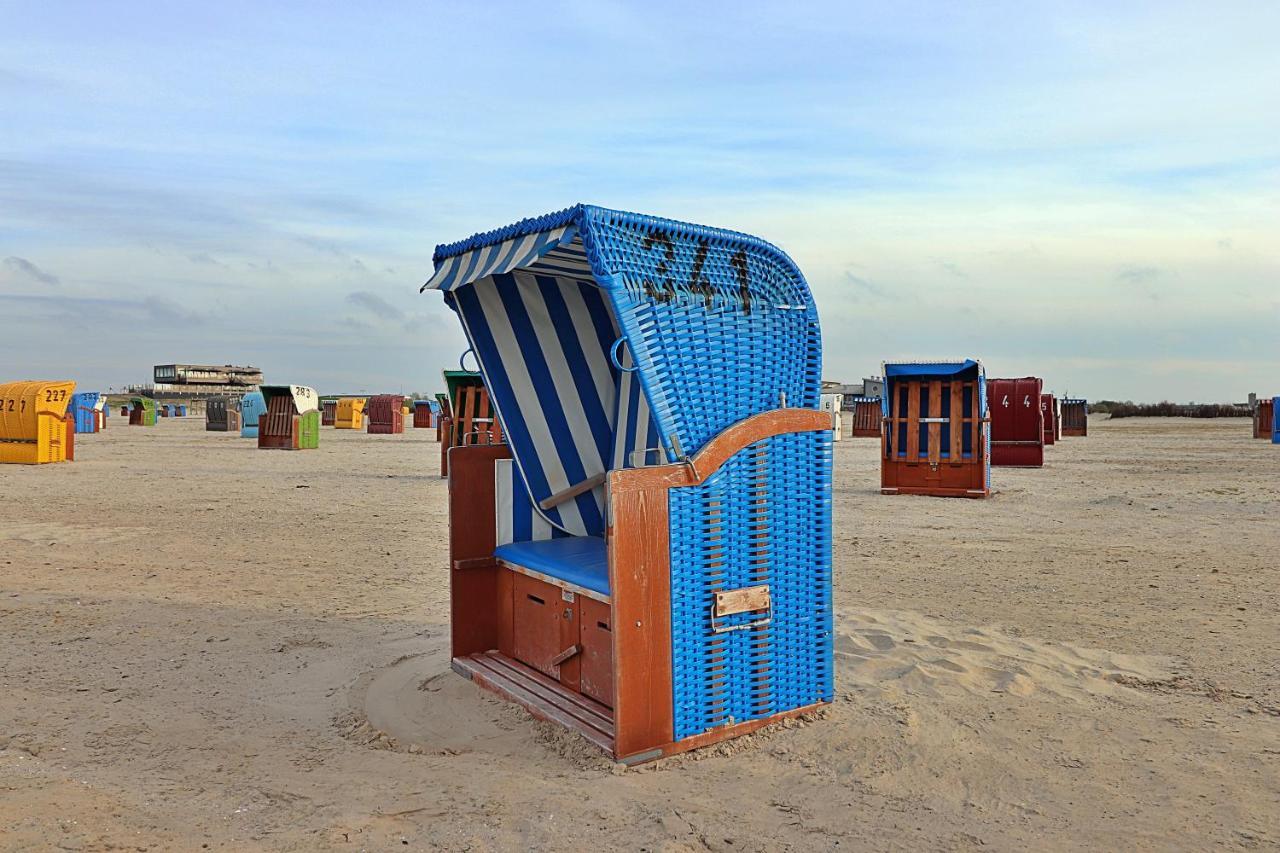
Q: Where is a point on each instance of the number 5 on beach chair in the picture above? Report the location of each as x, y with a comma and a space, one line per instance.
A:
646, 560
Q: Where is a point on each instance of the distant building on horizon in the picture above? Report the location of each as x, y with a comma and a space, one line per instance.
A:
199, 380
872, 386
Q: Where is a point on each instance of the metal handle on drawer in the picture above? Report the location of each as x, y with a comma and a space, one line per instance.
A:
717, 628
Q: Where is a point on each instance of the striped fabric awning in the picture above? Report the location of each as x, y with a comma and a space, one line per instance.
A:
501, 257
304, 399
955, 370
542, 335
575, 321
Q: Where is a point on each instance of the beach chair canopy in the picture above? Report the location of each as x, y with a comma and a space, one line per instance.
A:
22, 402
611, 340
966, 369
82, 408
304, 398
456, 379
91, 400
252, 405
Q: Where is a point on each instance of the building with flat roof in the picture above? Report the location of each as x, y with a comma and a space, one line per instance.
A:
195, 381
207, 374
872, 386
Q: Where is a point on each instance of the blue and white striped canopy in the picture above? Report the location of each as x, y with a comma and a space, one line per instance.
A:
497, 258
606, 340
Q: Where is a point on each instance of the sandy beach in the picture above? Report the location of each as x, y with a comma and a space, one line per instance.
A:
210, 646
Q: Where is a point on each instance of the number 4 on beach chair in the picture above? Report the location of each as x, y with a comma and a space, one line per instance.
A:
641, 552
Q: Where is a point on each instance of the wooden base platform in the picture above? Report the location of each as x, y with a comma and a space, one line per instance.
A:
935, 493
547, 700
541, 696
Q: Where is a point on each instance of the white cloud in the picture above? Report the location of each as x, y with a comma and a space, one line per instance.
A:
996, 180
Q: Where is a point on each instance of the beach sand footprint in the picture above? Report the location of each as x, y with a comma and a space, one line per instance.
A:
913, 653
416, 704
50, 533
419, 705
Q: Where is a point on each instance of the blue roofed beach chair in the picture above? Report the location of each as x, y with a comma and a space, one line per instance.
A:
647, 559
83, 410
937, 431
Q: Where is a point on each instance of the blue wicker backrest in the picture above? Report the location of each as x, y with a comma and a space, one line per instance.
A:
721, 325
718, 326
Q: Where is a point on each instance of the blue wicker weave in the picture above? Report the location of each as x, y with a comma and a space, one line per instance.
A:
719, 326
763, 518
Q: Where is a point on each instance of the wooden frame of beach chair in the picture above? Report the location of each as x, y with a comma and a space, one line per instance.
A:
1049, 416
142, 411
84, 410
291, 420
1017, 422
217, 411
1075, 417
646, 560
423, 416
443, 413
350, 413
867, 417
384, 414
1263, 416
472, 418
936, 432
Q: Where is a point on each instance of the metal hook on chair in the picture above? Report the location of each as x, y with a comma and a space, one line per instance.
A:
613, 356
683, 458
461, 359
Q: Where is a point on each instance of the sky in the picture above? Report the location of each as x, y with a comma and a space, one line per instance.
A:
1087, 192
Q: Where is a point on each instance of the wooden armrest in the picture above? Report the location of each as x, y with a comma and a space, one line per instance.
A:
571, 492
474, 563
718, 451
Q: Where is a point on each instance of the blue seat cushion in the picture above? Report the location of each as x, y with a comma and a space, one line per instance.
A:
579, 560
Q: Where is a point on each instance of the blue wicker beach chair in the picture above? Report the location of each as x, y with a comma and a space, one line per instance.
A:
647, 560
252, 407
84, 408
